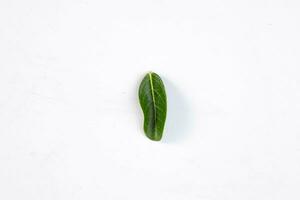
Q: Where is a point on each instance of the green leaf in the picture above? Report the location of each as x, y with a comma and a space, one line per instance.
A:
153, 101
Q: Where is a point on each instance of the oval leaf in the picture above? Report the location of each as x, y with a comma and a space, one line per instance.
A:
153, 101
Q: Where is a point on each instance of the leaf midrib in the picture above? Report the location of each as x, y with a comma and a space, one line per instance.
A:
153, 99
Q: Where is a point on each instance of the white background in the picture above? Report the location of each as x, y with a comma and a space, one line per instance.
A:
71, 125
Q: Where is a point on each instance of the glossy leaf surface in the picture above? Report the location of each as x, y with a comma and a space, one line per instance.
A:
153, 100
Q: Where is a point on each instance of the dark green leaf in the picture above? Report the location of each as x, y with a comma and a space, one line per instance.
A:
153, 101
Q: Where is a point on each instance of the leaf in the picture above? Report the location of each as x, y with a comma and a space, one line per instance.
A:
153, 100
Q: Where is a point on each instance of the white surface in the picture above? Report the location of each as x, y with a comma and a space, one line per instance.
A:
71, 126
